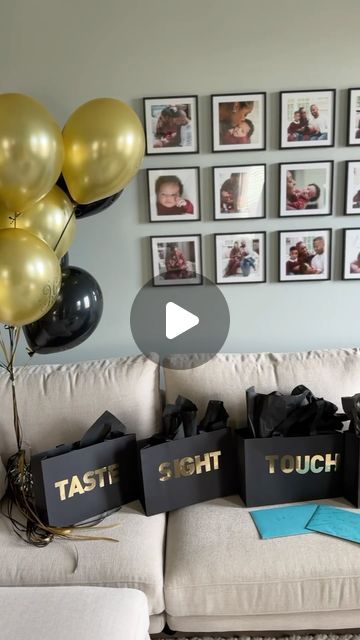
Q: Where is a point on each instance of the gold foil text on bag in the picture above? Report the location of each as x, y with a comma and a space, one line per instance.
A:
316, 463
102, 477
188, 466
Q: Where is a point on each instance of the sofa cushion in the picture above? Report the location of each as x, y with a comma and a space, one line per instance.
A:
81, 612
270, 623
135, 561
216, 565
57, 403
328, 373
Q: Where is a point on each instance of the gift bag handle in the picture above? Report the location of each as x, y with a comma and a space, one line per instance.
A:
104, 428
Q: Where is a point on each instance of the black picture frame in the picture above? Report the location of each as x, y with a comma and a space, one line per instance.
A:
243, 276
298, 235
352, 188
219, 205
179, 138
235, 118
348, 254
310, 205
353, 117
188, 188
303, 137
177, 239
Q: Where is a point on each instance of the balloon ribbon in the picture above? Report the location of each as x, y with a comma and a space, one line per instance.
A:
20, 483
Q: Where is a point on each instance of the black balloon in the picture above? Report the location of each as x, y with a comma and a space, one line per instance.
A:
62, 184
73, 318
64, 262
85, 210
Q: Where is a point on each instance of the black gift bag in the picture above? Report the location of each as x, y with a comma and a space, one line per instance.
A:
291, 451
85, 479
351, 406
279, 470
187, 464
352, 468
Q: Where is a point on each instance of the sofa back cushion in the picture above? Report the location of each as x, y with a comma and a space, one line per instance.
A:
328, 373
57, 403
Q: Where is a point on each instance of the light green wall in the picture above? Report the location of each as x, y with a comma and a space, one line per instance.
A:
66, 52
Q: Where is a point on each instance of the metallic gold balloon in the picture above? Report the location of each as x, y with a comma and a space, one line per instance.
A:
52, 219
31, 151
104, 146
30, 277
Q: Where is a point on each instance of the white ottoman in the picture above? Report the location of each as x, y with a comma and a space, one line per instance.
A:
70, 613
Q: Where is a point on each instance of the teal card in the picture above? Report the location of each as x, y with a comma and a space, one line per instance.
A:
283, 521
336, 522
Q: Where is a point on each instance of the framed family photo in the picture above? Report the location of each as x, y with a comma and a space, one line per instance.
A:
171, 125
307, 118
351, 254
174, 194
304, 255
176, 260
352, 189
353, 137
306, 189
240, 258
239, 192
238, 121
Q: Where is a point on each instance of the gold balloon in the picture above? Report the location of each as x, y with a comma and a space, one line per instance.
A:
104, 146
30, 277
31, 151
52, 219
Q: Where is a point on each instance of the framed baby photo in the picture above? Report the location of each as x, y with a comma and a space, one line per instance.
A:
176, 260
353, 136
238, 121
352, 189
174, 194
306, 189
171, 125
304, 255
307, 118
351, 254
239, 192
240, 258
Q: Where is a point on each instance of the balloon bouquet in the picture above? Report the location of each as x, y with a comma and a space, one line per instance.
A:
99, 151
48, 180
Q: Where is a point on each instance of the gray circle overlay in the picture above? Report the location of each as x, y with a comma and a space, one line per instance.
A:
194, 347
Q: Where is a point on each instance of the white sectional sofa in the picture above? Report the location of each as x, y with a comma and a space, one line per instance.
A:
203, 569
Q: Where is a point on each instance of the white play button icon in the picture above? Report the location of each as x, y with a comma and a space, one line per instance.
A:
178, 320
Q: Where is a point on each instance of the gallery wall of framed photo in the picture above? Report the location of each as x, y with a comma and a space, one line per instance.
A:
306, 188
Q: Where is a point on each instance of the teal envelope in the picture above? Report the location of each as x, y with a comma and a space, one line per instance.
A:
336, 522
283, 521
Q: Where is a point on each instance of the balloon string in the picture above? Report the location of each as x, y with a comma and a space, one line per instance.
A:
14, 335
35, 531
9, 355
64, 229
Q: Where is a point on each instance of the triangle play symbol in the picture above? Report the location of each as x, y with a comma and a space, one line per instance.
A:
178, 320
